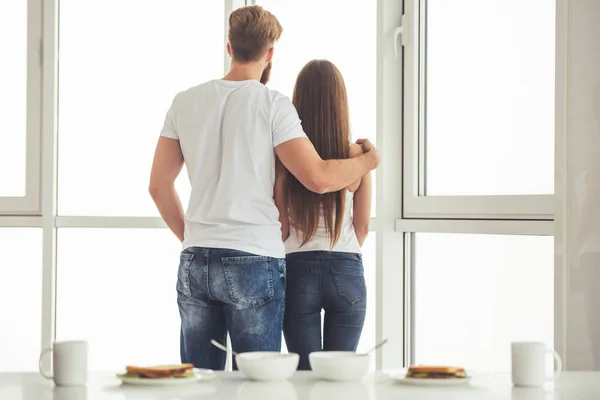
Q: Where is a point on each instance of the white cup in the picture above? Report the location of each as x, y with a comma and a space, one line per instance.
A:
69, 363
529, 364
73, 393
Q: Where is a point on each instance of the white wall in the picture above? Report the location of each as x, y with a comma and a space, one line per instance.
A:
578, 184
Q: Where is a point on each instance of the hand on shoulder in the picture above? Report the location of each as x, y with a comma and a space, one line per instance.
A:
371, 152
355, 150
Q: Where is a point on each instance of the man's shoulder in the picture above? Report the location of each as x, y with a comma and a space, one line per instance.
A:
194, 90
280, 102
191, 92
272, 94
271, 97
277, 95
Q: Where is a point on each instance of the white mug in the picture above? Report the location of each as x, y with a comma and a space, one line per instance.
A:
69, 363
72, 393
529, 364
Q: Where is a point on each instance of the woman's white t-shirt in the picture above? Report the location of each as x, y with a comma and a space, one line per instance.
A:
347, 243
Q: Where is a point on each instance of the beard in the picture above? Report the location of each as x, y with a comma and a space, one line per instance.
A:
266, 74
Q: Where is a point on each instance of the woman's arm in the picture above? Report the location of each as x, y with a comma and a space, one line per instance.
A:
361, 212
280, 197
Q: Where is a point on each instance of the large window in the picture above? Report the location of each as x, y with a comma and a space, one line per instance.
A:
489, 97
480, 109
116, 86
13, 42
107, 131
116, 288
20, 296
368, 337
474, 294
462, 108
478, 182
20, 34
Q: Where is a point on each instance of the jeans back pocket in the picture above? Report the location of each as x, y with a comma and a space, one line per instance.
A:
349, 284
249, 280
184, 290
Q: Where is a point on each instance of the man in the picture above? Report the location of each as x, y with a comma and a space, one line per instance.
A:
231, 275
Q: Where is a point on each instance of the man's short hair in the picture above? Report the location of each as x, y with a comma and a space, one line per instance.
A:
252, 31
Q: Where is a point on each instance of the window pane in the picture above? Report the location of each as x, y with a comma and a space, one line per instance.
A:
490, 97
298, 45
13, 97
368, 338
21, 281
116, 288
116, 86
474, 294
352, 46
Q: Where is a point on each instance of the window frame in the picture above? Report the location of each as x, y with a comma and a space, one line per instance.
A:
416, 204
30, 203
501, 214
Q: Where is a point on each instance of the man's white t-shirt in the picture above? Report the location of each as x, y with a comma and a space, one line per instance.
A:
227, 131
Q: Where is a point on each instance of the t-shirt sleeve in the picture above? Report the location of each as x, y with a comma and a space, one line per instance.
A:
285, 122
169, 129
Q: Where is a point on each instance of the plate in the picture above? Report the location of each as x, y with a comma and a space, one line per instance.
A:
199, 375
431, 382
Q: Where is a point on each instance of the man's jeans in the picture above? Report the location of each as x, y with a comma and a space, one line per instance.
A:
325, 280
222, 290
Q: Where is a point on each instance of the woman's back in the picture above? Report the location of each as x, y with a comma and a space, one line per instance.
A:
347, 242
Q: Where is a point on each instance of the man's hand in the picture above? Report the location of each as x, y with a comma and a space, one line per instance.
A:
370, 152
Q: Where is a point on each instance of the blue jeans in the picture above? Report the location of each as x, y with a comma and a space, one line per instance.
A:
325, 280
222, 290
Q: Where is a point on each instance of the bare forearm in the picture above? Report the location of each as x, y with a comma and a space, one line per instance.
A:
169, 206
338, 174
361, 235
361, 209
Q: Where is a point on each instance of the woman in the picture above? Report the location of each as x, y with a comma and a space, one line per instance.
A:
323, 233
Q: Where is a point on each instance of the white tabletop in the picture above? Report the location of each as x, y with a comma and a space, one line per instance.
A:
230, 385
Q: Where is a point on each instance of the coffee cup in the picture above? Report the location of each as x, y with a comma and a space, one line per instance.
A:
69, 363
529, 364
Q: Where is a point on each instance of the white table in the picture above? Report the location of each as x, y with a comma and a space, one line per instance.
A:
303, 386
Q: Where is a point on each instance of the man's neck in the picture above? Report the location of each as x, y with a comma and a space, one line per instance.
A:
244, 71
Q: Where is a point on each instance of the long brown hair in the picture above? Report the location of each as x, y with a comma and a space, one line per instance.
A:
322, 104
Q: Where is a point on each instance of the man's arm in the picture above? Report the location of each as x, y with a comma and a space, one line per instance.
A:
280, 197
322, 176
166, 166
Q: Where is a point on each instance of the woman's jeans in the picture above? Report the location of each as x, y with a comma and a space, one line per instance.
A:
323, 280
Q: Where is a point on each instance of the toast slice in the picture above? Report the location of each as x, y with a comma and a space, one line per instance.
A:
435, 372
160, 371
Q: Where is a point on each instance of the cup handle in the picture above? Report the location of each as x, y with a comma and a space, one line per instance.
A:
558, 362
44, 353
